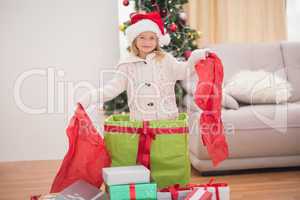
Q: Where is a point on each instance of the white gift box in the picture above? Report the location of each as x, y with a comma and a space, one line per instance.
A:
199, 194
220, 191
126, 175
167, 195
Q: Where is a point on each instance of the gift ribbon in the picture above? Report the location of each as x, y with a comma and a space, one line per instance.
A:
174, 192
132, 191
147, 134
145, 140
210, 184
174, 189
190, 195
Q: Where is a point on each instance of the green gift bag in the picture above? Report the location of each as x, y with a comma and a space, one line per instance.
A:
169, 154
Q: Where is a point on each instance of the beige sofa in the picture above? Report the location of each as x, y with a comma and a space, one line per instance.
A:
259, 136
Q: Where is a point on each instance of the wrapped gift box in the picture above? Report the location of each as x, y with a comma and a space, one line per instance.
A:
220, 191
199, 194
126, 175
168, 196
146, 191
173, 192
81, 190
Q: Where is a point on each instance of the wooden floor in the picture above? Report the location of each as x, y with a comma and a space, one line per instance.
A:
19, 180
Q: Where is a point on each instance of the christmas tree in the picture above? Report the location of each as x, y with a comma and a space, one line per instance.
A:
183, 41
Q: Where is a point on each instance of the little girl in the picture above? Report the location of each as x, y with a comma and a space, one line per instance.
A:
148, 74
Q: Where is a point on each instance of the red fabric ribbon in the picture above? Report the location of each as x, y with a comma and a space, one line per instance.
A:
132, 191
144, 148
174, 191
208, 96
147, 134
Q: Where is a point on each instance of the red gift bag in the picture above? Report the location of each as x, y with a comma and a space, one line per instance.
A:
208, 96
86, 156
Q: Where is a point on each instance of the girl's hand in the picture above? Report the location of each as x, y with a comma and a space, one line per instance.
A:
208, 50
199, 54
202, 53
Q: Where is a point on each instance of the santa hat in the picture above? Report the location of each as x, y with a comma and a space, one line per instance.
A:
141, 22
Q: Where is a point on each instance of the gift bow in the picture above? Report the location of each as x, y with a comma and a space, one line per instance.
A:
147, 134
210, 184
174, 189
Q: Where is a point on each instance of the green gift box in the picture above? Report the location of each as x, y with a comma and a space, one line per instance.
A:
145, 191
169, 153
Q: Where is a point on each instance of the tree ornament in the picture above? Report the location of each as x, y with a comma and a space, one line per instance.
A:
163, 12
122, 27
190, 35
187, 54
199, 33
125, 2
183, 16
173, 27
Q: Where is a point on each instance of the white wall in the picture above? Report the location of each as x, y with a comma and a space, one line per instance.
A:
124, 12
293, 16
66, 39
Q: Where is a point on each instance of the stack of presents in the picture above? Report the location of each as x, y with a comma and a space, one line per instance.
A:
134, 182
146, 166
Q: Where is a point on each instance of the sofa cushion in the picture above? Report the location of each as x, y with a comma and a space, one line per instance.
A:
248, 136
237, 57
258, 87
264, 116
291, 57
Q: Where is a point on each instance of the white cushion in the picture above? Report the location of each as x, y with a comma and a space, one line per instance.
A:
258, 87
291, 55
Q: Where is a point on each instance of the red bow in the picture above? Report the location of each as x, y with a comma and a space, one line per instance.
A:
210, 184
174, 189
144, 148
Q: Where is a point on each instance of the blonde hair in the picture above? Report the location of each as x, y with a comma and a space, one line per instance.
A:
159, 53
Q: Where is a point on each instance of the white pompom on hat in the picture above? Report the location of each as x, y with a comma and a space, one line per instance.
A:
141, 22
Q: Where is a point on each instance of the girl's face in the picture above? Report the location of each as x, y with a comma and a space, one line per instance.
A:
146, 42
